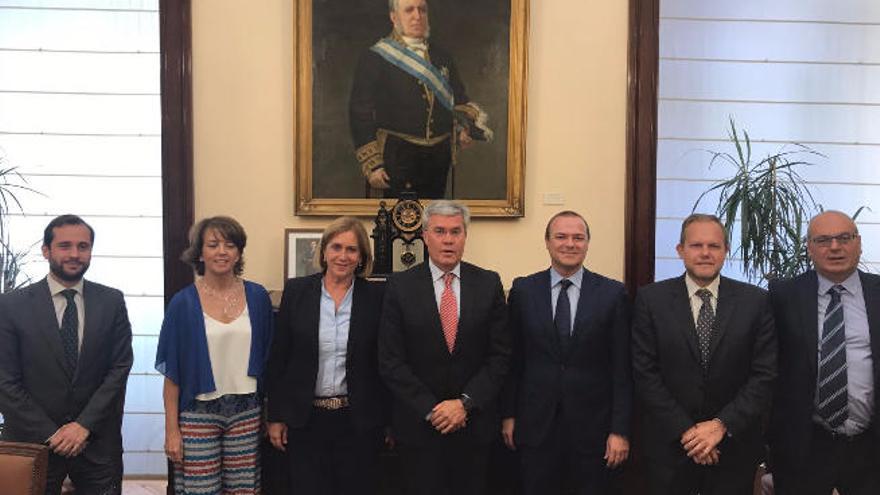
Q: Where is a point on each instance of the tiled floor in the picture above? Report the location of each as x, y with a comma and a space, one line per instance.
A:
144, 487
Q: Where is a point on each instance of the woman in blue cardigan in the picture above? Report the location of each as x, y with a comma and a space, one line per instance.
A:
212, 351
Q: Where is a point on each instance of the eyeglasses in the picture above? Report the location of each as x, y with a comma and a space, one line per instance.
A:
842, 239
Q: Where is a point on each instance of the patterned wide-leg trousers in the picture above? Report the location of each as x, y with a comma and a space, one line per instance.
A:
221, 439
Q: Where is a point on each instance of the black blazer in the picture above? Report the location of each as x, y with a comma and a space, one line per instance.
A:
592, 381
419, 369
670, 381
796, 308
293, 358
38, 395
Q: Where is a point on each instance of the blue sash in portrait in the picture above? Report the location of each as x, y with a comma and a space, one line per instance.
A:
410, 62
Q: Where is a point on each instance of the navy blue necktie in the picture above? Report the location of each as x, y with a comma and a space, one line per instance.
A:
562, 319
69, 329
831, 396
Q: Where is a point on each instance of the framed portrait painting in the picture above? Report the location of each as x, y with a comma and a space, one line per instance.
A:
423, 96
300, 247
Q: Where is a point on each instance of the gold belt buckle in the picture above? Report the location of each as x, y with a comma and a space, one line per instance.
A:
331, 403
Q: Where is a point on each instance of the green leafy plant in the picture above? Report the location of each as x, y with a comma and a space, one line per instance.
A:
772, 202
11, 261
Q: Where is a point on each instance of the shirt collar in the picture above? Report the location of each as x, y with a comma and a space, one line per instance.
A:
576, 279
437, 273
693, 287
326, 293
55, 287
852, 284
411, 42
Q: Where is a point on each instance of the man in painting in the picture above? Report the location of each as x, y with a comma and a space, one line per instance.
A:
408, 109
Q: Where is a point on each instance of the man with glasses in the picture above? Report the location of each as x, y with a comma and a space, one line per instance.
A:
822, 433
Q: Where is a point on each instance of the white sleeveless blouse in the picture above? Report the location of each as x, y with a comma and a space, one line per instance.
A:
229, 346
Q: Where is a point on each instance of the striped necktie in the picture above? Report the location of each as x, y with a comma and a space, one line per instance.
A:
831, 396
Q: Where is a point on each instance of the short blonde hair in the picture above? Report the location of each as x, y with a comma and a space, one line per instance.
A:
339, 226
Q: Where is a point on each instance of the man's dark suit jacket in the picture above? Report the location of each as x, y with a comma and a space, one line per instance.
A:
293, 359
592, 381
419, 369
670, 381
38, 395
796, 309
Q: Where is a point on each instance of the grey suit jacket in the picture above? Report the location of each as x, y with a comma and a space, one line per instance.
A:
37, 393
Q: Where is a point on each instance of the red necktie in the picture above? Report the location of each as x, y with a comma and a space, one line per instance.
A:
449, 311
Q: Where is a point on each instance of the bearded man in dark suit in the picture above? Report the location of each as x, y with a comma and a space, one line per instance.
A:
64, 361
443, 353
704, 363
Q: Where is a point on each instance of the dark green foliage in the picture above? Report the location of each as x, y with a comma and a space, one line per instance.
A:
11, 261
773, 204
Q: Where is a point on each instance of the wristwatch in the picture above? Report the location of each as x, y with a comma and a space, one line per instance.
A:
467, 402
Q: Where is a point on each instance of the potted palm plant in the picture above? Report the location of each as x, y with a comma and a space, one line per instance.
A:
772, 203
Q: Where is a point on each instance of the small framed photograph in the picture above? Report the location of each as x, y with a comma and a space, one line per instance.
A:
300, 247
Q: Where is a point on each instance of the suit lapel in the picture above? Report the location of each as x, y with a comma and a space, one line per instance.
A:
423, 295
43, 311
90, 327
727, 299
871, 293
809, 316
681, 309
311, 316
357, 311
542, 299
467, 286
586, 302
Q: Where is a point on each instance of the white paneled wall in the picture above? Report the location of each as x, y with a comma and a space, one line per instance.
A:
790, 71
80, 118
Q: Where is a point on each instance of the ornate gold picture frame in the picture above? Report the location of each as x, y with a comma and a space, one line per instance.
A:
489, 41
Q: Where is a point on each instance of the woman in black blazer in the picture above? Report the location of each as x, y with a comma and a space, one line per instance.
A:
327, 407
